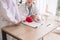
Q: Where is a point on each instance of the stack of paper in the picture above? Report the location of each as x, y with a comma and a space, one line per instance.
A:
32, 24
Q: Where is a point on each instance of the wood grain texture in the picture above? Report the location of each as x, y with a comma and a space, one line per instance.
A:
27, 33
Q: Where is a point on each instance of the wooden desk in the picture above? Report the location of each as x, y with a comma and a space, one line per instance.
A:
23, 32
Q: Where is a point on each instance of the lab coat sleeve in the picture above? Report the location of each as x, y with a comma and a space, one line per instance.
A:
14, 16
18, 14
21, 12
36, 11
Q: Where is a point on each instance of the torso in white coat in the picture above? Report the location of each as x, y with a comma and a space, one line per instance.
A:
11, 10
24, 12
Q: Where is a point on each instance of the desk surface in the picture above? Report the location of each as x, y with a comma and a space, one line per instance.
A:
27, 33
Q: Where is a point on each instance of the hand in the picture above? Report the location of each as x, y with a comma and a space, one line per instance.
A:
17, 24
35, 18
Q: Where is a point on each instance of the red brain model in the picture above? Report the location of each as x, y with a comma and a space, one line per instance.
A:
29, 19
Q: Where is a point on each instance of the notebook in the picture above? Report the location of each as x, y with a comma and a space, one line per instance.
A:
32, 24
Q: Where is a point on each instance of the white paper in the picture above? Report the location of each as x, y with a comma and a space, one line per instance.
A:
32, 24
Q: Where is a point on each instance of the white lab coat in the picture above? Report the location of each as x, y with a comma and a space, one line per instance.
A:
8, 13
12, 11
23, 9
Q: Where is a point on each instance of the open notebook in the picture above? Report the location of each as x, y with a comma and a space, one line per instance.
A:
32, 24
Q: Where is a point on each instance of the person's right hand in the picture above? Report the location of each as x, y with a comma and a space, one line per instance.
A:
35, 18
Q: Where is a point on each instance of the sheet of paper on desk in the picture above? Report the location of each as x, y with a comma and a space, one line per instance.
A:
32, 24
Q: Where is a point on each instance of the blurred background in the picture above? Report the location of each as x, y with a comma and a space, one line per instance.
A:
53, 11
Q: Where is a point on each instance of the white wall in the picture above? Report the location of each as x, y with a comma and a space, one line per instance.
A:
52, 5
